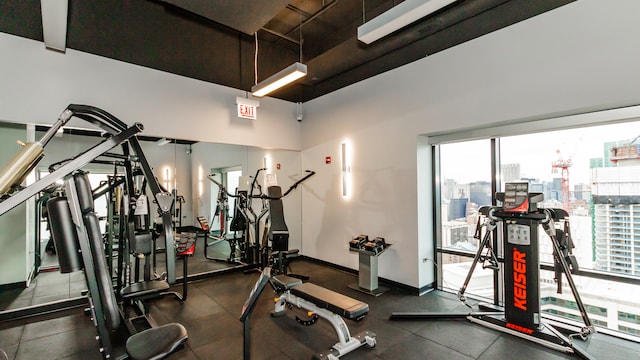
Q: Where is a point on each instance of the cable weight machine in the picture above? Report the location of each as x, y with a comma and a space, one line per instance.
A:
520, 314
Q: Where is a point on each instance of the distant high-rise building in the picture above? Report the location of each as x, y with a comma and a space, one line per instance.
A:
510, 172
581, 192
596, 163
616, 218
457, 209
480, 192
607, 154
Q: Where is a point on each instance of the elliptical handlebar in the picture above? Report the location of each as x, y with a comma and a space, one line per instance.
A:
222, 187
310, 173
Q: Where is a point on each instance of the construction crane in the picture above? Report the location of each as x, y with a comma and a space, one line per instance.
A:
563, 165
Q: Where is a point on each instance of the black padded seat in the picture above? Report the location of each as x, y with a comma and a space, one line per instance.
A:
145, 345
342, 305
285, 282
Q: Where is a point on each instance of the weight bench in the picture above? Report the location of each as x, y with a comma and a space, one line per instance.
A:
327, 304
76, 234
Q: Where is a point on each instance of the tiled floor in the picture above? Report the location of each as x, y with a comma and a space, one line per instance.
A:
51, 285
211, 316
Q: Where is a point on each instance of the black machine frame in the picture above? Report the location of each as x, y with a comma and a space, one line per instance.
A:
118, 133
520, 315
252, 255
81, 221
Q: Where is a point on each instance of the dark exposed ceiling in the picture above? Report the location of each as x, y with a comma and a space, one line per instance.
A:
212, 40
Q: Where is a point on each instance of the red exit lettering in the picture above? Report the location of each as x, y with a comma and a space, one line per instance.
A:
247, 111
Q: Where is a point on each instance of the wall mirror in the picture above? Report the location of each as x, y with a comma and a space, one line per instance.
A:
29, 262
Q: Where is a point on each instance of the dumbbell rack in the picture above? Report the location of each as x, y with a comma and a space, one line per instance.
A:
368, 271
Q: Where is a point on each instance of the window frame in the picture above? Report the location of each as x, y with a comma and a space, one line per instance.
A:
494, 133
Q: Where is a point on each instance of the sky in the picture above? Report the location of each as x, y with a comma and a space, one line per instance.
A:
469, 161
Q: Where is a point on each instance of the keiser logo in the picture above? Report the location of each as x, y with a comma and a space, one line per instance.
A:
522, 329
519, 280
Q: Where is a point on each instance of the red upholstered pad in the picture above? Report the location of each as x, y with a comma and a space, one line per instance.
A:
335, 302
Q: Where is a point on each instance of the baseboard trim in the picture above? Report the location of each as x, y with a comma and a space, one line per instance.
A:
404, 287
37, 310
12, 286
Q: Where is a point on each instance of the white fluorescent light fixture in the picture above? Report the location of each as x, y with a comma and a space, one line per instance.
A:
285, 76
54, 23
398, 17
163, 141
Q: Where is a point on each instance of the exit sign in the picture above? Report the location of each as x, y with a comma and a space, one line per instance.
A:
247, 109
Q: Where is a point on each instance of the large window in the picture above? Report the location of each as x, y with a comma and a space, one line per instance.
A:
465, 186
591, 172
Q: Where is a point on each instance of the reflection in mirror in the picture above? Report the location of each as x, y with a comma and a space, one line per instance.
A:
13, 257
28, 263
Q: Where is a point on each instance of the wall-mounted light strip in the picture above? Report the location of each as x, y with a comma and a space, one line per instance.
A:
266, 163
167, 178
346, 170
200, 180
288, 75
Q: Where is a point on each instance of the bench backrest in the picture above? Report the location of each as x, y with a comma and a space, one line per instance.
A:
278, 231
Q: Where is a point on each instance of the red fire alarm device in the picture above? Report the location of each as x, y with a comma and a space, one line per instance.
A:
327, 159
278, 166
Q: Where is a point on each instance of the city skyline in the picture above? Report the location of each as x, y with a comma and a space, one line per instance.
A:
535, 153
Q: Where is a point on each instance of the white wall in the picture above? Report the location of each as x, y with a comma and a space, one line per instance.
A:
580, 56
37, 84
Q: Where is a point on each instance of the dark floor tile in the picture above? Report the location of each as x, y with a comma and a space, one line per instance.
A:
197, 305
77, 276
14, 304
8, 352
39, 300
10, 296
317, 338
49, 278
223, 349
387, 334
57, 325
418, 348
76, 288
212, 310
459, 335
11, 336
507, 345
183, 353
212, 328
58, 346
599, 346
90, 354
49, 290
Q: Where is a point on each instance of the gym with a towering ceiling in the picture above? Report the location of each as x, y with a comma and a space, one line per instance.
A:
294, 179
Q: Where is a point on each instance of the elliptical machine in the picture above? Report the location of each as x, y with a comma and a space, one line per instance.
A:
521, 315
